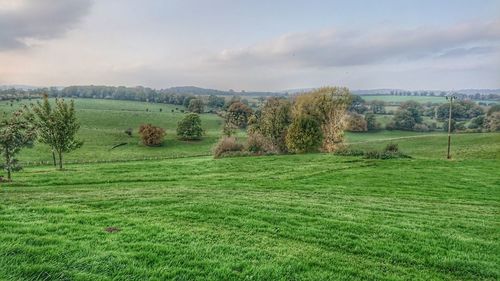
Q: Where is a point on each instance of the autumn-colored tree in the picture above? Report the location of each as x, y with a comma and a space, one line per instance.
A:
328, 106
356, 123
16, 132
151, 135
238, 114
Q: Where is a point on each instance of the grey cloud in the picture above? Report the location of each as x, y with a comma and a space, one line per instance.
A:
39, 19
333, 48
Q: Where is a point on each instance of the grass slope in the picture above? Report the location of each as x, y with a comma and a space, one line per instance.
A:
297, 217
103, 123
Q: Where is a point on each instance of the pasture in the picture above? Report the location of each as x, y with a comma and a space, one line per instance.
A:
288, 217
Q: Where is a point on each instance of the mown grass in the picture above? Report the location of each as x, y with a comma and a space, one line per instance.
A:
291, 217
296, 217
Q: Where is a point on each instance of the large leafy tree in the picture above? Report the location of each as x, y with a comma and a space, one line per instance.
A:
328, 106
189, 128
57, 126
274, 121
16, 132
196, 106
238, 114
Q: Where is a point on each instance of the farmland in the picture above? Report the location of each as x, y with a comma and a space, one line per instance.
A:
289, 217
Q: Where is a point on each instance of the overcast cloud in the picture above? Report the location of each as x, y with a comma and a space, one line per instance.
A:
336, 48
24, 20
251, 45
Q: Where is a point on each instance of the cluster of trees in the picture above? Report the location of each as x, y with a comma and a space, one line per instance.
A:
309, 122
55, 126
188, 128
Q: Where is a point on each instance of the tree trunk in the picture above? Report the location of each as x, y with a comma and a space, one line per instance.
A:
7, 163
54, 158
60, 161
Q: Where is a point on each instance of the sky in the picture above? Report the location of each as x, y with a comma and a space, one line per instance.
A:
251, 45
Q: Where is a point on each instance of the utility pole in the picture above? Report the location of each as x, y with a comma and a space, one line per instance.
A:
449, 98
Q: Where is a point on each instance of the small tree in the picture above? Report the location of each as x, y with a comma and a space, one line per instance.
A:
196, 106
151, 135
304, 135
16, 132
189, 128
57, 127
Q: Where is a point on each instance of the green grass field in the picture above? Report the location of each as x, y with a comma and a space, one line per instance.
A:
290, 217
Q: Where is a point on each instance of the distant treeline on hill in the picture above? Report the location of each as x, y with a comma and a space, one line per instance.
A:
466, 94
174, 95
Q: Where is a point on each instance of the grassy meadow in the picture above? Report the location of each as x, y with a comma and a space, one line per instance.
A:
288, 217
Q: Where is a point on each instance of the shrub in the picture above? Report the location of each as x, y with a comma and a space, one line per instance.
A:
151, 135
356, 123
420, 128
189, 128
391, 151
349, 152
304, 135
226, 146
391, 147
258, 144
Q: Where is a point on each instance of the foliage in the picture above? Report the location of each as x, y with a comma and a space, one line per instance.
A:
406, 117
358, 105
492, 122
391, 151
377, 106
215, 101
226, 146
259, 144
196, 106
477, 122
189, 128
328, 106
371, 122
493, 109
356, 123
304, 135
16, 132
151, 135
238, 114
460, 110
274, 121
57, 127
